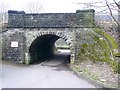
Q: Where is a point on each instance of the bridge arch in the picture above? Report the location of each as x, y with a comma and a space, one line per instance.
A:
41, 46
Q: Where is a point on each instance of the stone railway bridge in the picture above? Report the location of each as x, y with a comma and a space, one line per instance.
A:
31, 37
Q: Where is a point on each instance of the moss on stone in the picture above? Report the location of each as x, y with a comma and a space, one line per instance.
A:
111, 40
98, 51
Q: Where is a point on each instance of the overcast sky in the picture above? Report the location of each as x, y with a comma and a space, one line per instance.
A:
51, 6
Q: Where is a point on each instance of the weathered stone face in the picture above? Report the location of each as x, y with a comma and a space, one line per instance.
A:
13, 46
36, 44
82, 18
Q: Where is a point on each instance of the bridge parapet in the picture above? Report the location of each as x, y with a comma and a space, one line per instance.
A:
82, 18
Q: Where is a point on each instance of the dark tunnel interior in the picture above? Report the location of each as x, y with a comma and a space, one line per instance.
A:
42, 48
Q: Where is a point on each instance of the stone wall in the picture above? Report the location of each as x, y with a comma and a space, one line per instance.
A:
13, 45
82, 18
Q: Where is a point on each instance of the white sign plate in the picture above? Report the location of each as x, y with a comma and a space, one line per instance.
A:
14, 44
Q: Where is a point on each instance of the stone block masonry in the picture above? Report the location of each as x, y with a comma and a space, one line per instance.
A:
31, 37
13, 45
82, 18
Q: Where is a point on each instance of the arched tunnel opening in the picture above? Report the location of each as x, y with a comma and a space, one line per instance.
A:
43, 48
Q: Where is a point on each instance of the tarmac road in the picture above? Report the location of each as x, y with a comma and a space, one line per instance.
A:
53, 73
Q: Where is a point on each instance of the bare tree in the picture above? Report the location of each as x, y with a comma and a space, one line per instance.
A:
34, 7
118, 5
111, 13
111, 24
3, 9
105, 8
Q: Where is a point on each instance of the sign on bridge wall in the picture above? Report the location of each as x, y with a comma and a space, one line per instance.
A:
14, 44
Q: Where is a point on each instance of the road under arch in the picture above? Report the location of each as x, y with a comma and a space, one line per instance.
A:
42, 48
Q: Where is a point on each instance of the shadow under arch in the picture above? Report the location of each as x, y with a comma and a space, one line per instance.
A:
43, 47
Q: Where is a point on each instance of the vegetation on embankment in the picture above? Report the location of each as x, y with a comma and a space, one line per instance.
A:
111, 40
101, 51
112, 43
98, 51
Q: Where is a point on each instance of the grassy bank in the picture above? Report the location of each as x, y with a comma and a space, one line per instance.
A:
96, 60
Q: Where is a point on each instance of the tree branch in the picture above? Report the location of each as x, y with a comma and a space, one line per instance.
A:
118, 5
34, 7
112, 13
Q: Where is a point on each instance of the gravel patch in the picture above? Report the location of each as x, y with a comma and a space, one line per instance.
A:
100, 72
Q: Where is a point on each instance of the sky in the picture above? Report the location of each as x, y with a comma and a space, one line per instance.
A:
51, 6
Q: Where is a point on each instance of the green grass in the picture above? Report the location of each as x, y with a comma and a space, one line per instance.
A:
63, 47
117, 54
